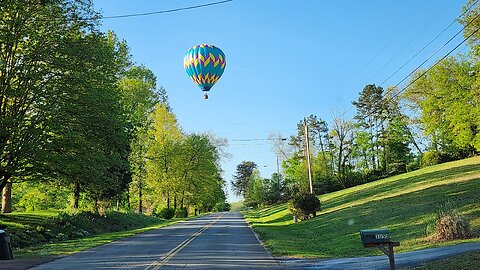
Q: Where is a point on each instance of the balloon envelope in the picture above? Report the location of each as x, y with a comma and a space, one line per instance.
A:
204, 65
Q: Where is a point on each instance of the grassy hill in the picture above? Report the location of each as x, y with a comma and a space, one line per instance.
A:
406, 204
42, 233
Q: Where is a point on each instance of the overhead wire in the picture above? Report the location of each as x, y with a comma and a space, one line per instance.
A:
436, 63
429, 43
162, 11
401, 50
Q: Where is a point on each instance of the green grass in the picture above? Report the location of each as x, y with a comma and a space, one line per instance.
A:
405, 204
43, 233
468, 261
76, 245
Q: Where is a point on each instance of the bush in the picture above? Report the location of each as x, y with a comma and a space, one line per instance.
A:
431, 158
181, 212
304, 205
450, 225
221, 207
167, 213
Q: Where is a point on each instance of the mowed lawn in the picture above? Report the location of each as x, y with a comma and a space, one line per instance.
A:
405, 204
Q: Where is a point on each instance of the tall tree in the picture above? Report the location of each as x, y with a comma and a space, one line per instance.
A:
342, 143
448, 98
163, 155
88, 146
139, 95
370, 110
242, 177
32, 61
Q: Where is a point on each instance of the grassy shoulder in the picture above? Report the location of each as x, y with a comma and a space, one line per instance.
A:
468, 261
61, 233
406, 204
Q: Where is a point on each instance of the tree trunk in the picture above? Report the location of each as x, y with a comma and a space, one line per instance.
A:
76, 195
168, 201
128, 199
4, 177
140, 201
7, 198
181, 201
118, 203
175, 202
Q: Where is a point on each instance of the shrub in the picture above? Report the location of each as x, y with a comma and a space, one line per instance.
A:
450, 225
167, 213
304, 205
181, 212
221, 207
431, 158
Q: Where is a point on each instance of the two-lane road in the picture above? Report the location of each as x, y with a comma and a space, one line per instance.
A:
216, 241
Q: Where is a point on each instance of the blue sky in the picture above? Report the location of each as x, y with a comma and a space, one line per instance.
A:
286, 59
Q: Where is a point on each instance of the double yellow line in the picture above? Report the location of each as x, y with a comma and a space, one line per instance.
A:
165, 259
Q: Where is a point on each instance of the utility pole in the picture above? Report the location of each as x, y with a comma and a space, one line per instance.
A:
307, 145
278, 168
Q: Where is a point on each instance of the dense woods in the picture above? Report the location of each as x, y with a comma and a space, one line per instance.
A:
83, 126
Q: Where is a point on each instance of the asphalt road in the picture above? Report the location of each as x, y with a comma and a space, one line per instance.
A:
406, 259
216, 241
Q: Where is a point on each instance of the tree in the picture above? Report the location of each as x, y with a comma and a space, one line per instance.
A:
472, 24
163, 155
138, 97
242, 177
370, 115
342, 143
255, 194
33, 35
88, 146
448, 98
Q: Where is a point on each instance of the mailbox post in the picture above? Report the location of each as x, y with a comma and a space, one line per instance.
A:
380, 239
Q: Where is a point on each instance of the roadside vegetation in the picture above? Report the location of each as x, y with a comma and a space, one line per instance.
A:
44, 233
407, 204
84, 127
468, 261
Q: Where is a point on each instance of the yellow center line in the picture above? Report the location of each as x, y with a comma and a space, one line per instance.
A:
160, 263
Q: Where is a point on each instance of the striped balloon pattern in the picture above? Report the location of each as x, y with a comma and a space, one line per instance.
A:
204, 65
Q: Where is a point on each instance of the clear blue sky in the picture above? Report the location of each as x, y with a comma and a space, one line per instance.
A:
286, 59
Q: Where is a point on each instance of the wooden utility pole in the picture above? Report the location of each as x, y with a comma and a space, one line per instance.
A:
307, 145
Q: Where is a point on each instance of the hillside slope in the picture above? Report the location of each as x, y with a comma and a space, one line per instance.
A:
405, 204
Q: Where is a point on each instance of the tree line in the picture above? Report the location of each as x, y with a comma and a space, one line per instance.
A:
82, 125
434, 118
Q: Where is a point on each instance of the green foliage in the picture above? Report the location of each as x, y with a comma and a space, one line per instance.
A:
449, 109
28, 229
181, 212
222, 206
241, 177
431, 158
304, 206
166, 213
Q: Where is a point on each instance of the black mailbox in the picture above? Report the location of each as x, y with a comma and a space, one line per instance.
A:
380, 238
375, 236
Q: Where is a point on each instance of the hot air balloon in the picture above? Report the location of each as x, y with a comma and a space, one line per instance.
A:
204, 65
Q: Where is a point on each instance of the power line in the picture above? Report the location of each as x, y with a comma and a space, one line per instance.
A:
443, 31
406, 77
161, 11
401, 50
436, 63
